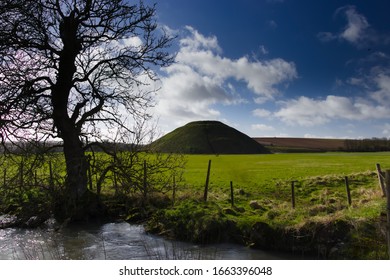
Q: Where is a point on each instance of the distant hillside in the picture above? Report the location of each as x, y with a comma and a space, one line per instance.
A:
208, 137
276, 144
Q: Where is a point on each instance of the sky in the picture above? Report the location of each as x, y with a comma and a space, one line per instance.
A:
278, 68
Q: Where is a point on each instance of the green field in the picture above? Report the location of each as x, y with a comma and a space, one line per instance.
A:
257, 170
322, 222
320, 180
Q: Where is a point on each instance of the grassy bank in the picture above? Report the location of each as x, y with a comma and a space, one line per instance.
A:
322, 224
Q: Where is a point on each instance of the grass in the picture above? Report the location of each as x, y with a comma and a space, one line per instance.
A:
322, 213
262, 212
207, 137
320, 178
251, 171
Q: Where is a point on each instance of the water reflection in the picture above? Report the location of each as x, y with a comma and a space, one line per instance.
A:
114, 241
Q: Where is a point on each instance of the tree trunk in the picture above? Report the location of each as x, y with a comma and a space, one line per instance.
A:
77, 198
76, 167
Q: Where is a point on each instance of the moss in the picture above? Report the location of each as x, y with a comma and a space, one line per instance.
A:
194, 221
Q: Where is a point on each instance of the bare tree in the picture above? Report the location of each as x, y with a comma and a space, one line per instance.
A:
68, 67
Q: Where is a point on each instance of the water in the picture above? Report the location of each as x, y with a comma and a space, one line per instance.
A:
115, 241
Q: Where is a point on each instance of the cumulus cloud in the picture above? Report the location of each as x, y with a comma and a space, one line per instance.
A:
262, 127
357, 30
262, 77
357, 26
201, 78
198, 41
372, 82
261, 113
386, 129
190, 94
307, 111
372, 77
382, 94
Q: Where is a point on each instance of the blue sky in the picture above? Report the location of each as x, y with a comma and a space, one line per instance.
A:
279, 68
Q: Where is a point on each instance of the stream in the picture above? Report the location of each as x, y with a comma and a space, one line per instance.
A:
114, 241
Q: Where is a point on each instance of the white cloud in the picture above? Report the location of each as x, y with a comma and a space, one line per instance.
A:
262, 127
382, 94
187, 95
306, 111
357, 31
134, 41
302, 111
262, 113
197, 41
262, 77
201, 78
263, 49
386, 129
355, 81
260, 99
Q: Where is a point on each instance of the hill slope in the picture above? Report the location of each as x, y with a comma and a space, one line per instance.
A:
207, 137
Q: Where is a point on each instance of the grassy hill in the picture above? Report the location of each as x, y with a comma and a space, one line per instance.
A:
208, 137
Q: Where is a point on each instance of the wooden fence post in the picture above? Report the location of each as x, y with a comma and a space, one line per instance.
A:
90, 183
231, 193
206, 187
35, 178
115, 183
114, 176
293, 194
174, 190
145, 181
5, 177
51, 179
381, 179
21, 181
21, 175
348, 191
387, 177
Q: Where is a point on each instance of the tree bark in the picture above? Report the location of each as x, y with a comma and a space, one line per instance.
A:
76, 163
76, 167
